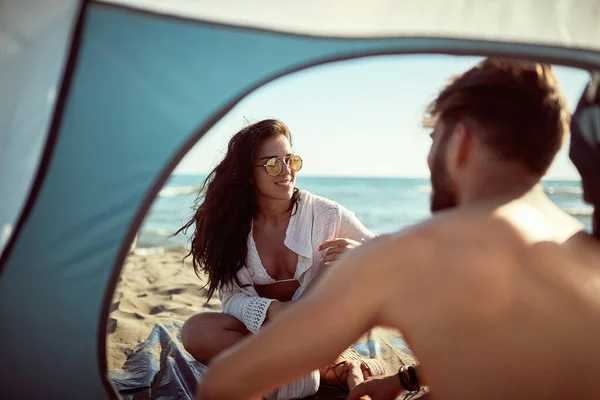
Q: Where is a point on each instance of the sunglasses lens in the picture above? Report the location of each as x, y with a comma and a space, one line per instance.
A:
273, 166
295, 163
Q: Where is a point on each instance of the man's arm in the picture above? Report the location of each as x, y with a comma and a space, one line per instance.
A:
315, 330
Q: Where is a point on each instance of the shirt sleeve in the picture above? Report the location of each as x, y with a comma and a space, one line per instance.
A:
350, 227
298, 389
250, 310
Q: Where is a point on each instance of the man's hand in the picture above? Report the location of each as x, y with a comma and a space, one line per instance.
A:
377, 388
335, 248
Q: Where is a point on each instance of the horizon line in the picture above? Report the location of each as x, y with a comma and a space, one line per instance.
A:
569, 179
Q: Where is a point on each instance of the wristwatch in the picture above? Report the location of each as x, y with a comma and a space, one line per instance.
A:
407, 375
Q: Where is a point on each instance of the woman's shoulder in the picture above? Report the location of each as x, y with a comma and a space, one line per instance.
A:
318, 203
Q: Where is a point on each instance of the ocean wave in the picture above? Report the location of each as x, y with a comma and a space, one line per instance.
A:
580, 211
576, 190
157, 232
149, 251
174, 191
564, 190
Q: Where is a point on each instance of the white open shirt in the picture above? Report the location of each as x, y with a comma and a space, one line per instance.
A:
316, 219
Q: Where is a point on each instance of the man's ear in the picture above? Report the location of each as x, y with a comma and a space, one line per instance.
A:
465, 143
459, 148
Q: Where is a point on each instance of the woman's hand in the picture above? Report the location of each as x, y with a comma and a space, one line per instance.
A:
335, 248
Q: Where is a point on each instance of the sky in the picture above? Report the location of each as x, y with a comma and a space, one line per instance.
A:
359, 117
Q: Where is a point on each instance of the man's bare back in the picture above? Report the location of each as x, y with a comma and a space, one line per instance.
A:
496, 287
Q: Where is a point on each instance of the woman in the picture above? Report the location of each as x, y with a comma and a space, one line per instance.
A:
262, 242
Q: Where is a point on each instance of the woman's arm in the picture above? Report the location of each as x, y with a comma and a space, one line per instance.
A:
349, 234
251, 310
349, 226
277, 308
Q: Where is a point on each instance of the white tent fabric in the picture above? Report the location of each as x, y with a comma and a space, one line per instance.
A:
569, 23
34, 38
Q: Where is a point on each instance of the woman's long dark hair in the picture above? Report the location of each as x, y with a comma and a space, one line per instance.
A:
226, 206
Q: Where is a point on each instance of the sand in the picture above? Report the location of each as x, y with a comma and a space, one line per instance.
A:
152, 289
163, 289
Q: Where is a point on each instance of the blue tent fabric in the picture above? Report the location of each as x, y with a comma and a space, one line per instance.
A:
140, 91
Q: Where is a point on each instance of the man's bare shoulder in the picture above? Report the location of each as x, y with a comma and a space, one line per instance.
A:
429, 246
586, 247
415, 259
456, 256
383, 263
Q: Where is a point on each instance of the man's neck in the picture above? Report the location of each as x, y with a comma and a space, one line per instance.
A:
507, 183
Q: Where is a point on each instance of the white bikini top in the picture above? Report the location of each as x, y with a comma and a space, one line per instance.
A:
258, 272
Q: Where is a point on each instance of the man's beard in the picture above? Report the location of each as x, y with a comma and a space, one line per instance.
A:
443, 195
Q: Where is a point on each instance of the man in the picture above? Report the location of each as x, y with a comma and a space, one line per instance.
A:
498, 295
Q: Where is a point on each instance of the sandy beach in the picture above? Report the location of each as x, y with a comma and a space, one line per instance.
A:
153, 289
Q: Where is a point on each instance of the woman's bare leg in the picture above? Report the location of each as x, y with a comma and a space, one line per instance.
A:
205, 335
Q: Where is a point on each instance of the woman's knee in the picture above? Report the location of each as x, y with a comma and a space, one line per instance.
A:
203, 334
197, 328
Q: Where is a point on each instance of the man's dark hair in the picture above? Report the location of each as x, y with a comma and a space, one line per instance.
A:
519, 105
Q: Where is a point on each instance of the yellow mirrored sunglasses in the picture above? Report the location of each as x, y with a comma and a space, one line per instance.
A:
274, 165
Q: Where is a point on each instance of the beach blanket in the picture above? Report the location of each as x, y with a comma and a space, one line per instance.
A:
160, 368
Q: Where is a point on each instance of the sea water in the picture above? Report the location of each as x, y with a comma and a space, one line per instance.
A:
382, 204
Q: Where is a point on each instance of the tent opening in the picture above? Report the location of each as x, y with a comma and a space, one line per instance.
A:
356, 125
